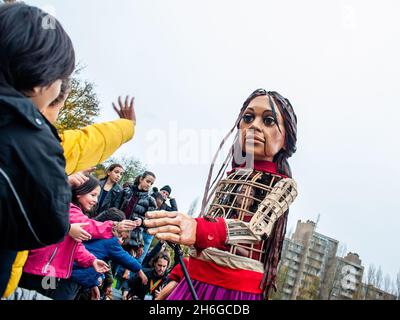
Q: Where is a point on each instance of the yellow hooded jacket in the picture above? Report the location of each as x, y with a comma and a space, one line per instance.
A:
83, 149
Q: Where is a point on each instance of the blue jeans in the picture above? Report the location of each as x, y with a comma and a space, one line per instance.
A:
147, 239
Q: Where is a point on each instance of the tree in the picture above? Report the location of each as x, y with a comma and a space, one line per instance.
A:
132, 167
309, 288
281, 281
387, 284
371, 274
379, 278
398, 285
371, 279
81, 106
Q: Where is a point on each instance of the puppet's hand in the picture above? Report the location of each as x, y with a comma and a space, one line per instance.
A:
176, 227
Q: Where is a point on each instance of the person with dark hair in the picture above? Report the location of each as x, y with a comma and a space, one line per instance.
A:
53, 110
111, 190
166, 193
111, 214
134, 246
136, 201
175, 276
54, 263
128, 183
46, 64
107, 249
33, 62
238, 239
158, 198
157, 278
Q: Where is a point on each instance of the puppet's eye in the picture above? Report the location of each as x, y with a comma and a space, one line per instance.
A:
248, 118
269, 121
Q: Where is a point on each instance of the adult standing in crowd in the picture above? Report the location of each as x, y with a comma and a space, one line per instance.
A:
166, 193
157, 278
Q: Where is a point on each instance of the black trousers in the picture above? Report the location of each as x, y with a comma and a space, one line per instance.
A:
54, 288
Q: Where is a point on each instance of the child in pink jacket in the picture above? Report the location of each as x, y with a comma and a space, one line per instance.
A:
47, 269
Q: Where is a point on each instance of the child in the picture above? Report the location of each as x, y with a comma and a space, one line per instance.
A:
32, 165
134, 246
111, 190
108, 249
52, 263
137, 201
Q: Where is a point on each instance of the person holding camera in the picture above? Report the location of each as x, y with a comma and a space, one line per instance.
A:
166, 193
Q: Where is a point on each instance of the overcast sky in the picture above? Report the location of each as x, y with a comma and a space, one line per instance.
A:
191, 64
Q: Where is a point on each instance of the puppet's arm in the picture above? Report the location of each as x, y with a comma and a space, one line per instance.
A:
275, 204
203, 233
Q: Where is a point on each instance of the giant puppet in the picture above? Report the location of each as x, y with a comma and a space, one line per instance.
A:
237, 241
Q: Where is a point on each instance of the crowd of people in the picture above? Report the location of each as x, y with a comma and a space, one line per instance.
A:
65, 235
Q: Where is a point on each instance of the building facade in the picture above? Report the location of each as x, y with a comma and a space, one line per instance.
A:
346, 283
304, 263
310, 270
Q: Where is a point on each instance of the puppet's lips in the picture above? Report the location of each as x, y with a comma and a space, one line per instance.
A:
252, 138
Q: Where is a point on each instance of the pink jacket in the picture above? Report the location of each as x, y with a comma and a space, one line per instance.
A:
57, 259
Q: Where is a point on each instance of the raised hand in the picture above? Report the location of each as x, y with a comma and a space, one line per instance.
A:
77, 232
125, 110
175, 226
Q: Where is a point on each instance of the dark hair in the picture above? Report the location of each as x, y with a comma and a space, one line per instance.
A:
84, 188
143, 176
157, 195
111, 214
161, 255
34, 48
135, 240
65, 88
113, 166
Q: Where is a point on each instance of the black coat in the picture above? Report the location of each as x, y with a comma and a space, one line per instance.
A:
173, 207
34, 191
143, 204
113, 198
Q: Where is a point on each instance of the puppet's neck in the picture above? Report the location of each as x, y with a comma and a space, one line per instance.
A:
264, 166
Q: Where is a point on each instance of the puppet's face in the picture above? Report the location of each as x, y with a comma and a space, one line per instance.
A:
260, 134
